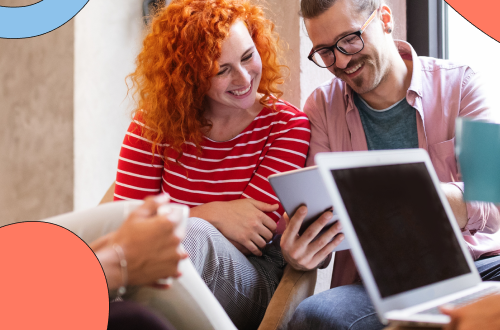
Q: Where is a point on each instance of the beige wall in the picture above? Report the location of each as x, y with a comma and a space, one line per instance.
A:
36, 107
399, 12
288, 27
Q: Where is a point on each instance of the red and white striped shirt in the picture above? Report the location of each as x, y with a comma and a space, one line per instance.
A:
275, 141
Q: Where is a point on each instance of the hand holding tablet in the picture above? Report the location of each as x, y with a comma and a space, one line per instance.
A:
305, 187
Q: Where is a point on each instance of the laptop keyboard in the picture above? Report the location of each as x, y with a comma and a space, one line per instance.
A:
463, 301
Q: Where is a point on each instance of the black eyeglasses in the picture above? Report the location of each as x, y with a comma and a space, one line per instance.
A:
349, 45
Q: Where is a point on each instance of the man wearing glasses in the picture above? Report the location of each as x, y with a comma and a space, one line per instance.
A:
383, 96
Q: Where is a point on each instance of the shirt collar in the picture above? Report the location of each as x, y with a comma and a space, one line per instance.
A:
407, 52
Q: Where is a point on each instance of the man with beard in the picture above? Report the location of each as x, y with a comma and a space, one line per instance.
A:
383, 96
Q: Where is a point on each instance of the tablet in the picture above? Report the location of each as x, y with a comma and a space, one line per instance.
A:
305, 187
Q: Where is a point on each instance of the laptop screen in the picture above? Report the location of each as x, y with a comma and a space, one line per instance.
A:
401, 225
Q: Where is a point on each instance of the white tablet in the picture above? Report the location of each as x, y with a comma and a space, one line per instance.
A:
304, 187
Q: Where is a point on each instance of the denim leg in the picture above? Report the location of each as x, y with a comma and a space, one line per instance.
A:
346, 307
489, 268
349, 307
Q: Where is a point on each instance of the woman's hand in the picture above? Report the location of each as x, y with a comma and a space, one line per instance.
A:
243, 222
149, 243
240, 247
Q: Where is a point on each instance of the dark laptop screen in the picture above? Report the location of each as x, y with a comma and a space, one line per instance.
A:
401, 225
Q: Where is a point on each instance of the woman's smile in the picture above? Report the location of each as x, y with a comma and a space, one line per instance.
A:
242, 92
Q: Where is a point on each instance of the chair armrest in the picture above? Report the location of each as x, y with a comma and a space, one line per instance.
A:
294, 287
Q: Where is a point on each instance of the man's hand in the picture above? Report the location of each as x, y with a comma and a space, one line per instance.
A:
457, 203
481, 315
243, 222
301, 251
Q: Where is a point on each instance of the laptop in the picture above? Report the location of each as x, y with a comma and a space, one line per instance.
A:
305, 187
403, 235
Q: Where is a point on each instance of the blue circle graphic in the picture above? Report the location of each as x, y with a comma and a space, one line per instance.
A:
37, 19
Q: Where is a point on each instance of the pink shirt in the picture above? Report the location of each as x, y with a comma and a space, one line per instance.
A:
440, 91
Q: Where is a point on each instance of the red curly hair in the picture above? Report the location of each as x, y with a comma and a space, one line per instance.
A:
179, 57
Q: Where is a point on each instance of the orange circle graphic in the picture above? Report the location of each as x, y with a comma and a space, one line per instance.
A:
50, 279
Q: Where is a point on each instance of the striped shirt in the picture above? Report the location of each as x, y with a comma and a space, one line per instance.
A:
275, 141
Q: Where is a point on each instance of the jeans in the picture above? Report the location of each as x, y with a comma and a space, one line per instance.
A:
349, 307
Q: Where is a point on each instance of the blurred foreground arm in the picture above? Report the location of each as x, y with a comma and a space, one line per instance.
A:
456, 199
481, 315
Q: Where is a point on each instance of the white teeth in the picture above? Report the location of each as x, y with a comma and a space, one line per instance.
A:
354, 69
239, 93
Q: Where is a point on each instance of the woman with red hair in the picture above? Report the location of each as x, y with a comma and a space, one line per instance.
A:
209, 129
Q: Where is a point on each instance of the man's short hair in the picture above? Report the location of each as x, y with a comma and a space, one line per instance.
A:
314, 8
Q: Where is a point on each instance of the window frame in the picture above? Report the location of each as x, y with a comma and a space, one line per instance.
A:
427, 27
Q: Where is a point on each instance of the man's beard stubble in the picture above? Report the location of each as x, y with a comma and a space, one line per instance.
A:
358, 82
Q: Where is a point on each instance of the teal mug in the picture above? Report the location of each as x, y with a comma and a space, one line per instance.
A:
478, 152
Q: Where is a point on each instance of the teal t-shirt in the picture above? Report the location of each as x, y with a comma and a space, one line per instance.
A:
391, 128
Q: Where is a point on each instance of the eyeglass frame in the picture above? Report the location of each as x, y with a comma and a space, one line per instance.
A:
335, 46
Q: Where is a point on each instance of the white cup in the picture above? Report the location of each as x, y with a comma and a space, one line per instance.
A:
178, 214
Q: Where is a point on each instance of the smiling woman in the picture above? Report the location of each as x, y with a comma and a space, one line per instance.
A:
209, 128
235, 86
